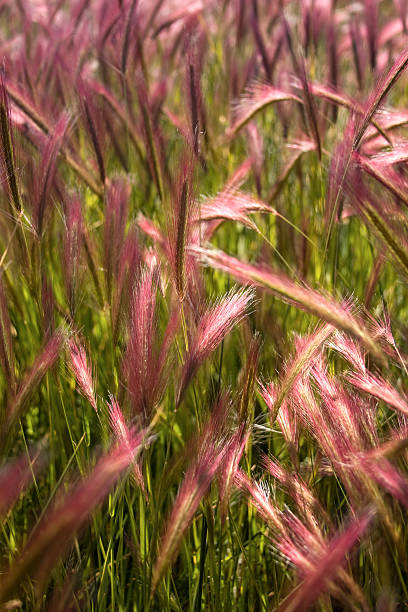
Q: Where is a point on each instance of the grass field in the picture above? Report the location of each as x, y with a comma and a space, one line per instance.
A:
203, 305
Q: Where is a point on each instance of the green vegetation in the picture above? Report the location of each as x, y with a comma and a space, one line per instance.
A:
203, 305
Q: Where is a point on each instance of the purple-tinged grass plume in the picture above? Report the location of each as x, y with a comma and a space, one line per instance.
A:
379, 93
82, 371
212, 328
16, 476
196, 482
327, 565
257, 97
43, 363
53, 534
46, 171
303, 297
72, 249
125, 437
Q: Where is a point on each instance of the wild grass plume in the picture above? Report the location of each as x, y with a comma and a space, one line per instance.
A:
203, 305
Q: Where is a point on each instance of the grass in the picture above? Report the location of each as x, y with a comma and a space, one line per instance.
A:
170, 440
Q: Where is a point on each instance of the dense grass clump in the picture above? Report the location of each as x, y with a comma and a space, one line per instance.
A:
203, 305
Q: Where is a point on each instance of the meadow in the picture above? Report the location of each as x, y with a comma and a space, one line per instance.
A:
203, 305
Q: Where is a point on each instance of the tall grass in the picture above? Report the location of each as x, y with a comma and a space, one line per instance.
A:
203, 303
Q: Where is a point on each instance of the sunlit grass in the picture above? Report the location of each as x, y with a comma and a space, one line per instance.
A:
170, 441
